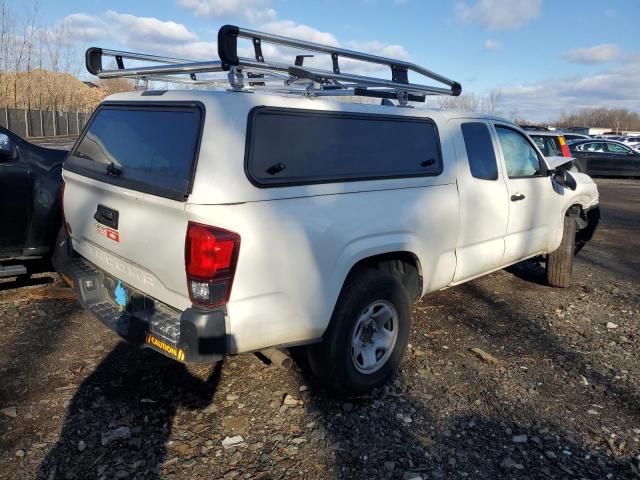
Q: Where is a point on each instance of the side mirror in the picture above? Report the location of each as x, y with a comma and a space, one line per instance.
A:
7, 148
564, 178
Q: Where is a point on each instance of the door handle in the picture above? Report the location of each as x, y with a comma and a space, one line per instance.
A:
107, 216
517, 197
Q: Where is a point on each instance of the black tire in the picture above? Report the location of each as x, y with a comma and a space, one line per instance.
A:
331, 360
560, 262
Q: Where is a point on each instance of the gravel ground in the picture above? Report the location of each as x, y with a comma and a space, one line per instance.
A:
554, 391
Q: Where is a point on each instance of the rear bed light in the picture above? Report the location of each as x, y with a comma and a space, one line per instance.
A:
563, 146
211, 256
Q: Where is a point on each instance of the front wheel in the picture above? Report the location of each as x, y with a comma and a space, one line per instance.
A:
367, 335
560, 262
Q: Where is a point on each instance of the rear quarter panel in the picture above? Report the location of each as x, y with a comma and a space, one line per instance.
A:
295, 254
299, 243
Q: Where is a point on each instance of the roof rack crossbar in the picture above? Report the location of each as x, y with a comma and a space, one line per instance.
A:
169, 69
228, 48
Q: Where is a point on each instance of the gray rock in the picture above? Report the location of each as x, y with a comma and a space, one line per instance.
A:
119, 433
20, 453
230, 442
10, 412
509, 464
519, 438
277, 438
390, 466
291, 401
291, 450
411, 476
82, 446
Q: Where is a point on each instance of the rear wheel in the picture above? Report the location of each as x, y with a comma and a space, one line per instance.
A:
367, 335
560, 262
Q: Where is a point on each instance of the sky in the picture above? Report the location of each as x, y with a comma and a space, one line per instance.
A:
544, 57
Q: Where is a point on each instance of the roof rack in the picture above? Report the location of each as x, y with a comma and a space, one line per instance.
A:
262, 74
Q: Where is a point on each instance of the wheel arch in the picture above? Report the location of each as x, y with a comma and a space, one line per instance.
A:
402, 263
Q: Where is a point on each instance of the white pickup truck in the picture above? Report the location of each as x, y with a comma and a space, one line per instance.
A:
210, 223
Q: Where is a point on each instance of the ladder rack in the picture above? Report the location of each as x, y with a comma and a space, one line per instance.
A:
260, 74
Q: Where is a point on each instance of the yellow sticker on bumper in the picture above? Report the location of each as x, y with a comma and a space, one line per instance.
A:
173, 352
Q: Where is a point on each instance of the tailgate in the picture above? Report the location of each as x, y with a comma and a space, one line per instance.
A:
126, 182
145, 251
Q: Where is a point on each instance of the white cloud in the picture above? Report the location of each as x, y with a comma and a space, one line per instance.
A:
491, 44
145, 34
85, 27
288, 28
499, 14
292, 29
615, 87
149, 29
375, 47
250, 10
596, 54
152, 35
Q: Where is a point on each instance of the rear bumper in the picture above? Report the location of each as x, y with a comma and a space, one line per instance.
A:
194, 335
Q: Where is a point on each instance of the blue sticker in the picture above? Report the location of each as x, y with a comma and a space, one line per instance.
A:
120, 294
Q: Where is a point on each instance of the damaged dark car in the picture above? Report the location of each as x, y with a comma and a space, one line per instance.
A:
30, 208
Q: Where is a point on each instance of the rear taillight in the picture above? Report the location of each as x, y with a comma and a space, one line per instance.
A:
211, 255
563, 146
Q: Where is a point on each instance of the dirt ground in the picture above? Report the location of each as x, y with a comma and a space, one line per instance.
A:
558, 398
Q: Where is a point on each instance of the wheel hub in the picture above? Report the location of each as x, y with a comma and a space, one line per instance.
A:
374, 337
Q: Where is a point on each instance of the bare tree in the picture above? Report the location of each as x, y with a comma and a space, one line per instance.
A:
470, 102
491, 103
616, 119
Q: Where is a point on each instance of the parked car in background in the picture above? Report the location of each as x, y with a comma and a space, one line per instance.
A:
606, 157
552, 144
575, 136
30, 211
633, 142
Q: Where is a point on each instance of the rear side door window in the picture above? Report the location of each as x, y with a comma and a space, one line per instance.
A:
520, 157
480, 152
298, 147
